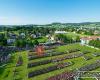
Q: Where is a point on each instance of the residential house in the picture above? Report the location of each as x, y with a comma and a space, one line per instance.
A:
22, 35
10, 41
85, 40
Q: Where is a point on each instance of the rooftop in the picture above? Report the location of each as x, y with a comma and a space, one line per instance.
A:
90, 38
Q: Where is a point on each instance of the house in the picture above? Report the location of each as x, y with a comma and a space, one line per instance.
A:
85, 40
22, 35
96, 32
10, 41
48, 35
38, 35
33, 35
50, 39
12, 35
60, 32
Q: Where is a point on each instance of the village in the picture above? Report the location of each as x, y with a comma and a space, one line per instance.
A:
49, 39
48, 53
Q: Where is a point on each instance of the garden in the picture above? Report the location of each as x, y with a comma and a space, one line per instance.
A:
56, 63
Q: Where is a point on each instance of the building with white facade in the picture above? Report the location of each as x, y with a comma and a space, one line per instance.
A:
85, 40
60, 32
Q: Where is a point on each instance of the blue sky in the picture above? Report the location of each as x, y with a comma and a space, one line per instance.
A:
48, 11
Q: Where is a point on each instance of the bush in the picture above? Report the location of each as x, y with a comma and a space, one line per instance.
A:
95, 43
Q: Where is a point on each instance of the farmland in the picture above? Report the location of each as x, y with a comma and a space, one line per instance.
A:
11, 71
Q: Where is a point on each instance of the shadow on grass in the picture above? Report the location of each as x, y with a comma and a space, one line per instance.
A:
7, 73
2, 70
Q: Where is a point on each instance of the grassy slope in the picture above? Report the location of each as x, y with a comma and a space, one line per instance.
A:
78, 61
8, 73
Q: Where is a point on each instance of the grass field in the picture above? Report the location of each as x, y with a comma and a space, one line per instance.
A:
7, 72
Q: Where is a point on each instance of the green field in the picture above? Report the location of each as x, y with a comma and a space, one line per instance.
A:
7, 72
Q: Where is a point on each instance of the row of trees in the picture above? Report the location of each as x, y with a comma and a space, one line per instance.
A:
3, 40
24, 43
67, 39
30, 29
95, 43
18, 42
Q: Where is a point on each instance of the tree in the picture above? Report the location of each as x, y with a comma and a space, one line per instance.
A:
77, 38
30, 43
64, 38
95, 43
20, 43
3, 40
36, 42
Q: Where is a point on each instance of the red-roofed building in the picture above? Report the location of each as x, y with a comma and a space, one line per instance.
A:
85, 40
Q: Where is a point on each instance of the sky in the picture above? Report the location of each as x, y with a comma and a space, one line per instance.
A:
13, 12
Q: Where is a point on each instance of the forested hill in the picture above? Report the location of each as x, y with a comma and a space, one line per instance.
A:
83, 24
